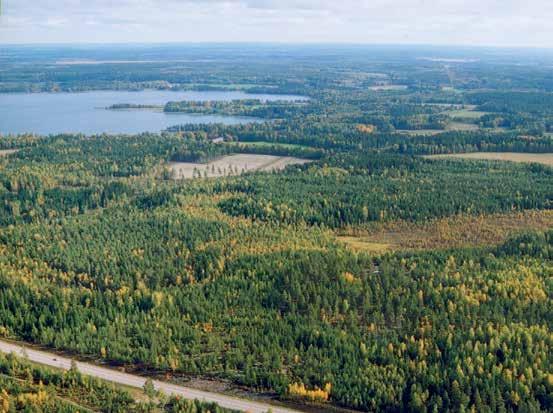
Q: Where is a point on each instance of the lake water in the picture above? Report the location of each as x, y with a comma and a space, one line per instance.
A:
51, 113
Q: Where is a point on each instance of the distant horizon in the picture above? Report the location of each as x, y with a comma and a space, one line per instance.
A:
449, 23
279, 43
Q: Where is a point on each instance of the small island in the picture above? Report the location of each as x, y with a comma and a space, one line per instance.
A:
254, 108
242, 107
127, 106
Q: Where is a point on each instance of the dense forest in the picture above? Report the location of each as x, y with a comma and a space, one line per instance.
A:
245, 279
251, 107
104, 256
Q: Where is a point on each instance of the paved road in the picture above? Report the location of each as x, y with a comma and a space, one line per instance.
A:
131, 380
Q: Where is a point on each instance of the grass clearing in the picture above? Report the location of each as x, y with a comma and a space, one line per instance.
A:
365, 245
227, 86
542, 158
450, 232
263, 144
232, 165
420, 132
382, 88
452, 126
466, 113
462, 126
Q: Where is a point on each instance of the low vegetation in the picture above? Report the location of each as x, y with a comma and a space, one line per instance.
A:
450, 232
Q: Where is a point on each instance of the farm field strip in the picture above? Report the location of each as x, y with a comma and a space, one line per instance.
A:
467, 113
543, 158
233, 165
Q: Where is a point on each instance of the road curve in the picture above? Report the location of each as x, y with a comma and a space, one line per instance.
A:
131, 380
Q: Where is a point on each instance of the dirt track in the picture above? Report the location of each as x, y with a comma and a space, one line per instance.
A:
131, 380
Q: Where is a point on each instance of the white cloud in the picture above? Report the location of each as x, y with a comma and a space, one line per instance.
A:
494, 22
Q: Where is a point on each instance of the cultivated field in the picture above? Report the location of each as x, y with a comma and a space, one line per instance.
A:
452, 126
232, 165
462, 126
379, 88
543, 158
262, 144
420, 132
466, 113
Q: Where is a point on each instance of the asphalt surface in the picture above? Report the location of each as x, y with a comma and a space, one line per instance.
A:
131, 380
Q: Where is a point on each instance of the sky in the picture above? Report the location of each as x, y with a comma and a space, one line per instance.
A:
456, 22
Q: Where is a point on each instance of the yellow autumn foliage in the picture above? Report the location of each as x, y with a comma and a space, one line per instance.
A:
33, 399
4, 402
366, 128
349, 277
298, 390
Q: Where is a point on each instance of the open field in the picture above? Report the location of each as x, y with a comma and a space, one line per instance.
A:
451, 232
263, 144
466, 113
388, 87
462, 126
233, 165
445, 106
366, 244
450, 89
452, 126
543, 158
420, 132
5, 152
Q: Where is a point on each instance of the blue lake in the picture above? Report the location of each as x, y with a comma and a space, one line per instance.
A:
51, 113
